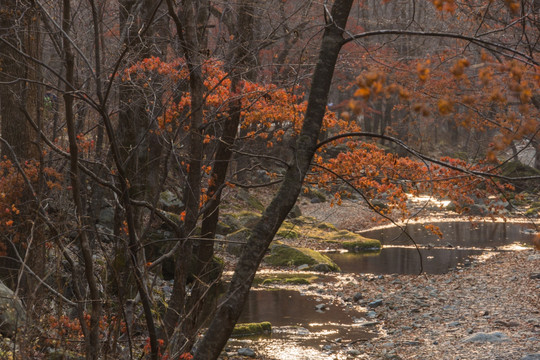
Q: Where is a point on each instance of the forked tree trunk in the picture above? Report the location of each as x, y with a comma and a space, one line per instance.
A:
233, 301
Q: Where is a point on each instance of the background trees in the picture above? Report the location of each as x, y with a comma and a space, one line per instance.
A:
145, 116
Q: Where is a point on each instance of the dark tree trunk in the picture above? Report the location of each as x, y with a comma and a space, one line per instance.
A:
229, 310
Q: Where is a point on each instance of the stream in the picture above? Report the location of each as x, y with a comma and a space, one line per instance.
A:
306, 320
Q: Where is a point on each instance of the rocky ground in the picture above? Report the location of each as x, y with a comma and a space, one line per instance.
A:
489, 310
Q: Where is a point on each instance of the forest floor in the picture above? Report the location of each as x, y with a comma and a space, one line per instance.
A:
489, 310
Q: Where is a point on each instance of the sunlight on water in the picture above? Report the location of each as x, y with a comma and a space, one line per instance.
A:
288, 351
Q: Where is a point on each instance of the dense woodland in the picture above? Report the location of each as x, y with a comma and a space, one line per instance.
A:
120, 118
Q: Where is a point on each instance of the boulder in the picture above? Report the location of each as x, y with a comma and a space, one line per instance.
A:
284, 255
237, 240
12, 313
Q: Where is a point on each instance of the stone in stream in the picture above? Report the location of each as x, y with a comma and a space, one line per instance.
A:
531, 357
375, 303
491, 337
246, 352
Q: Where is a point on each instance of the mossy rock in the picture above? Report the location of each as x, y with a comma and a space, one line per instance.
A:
251, 329
250, 200
229, 222
284, 279
247, 218
314, 194
288, 234
362, 245
288, 230
517, 169
327, 226
533, 212
344, 235
303, 220
284, 255
237, 240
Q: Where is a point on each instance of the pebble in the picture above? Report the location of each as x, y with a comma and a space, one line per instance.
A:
375, 303
353, 352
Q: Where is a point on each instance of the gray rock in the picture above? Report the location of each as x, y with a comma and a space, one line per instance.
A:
246, 352
375, 303
353, 352
170, 202
303, 267
491, 337
106, 217
12, 313
531, 357
322, 268
357, 296
295, 212
237, 241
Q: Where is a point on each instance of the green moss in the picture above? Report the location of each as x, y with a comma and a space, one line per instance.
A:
287, 279
326, 226
283, 255
364, 244
288, 234
303, 220
249, 329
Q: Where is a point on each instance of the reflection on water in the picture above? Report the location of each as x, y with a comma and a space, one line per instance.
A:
298, 330
463, 234
460, 241
403, 260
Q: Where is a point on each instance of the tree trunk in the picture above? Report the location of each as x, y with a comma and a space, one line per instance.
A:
230, 309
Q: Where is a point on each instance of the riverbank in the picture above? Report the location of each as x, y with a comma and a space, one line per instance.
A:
490, 310
487, 310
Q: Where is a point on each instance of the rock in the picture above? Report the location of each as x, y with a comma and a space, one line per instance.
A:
316, 200
375, 304
284, 255
170, 202
106, 217
324, 268
371, 314
12, 313
303, 267
353, 352
535, 276
237, 240
246, 352
358, 296
295, 212
491, 337
320, 307
327, 347
531, 357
